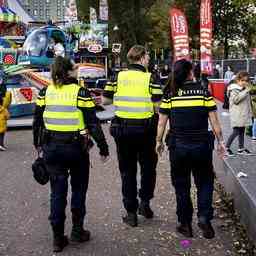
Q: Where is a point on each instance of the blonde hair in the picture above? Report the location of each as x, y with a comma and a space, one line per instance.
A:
136, 53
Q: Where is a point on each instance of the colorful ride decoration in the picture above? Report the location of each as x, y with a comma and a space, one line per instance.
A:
37, 48
10, 23
8, 56
90, 70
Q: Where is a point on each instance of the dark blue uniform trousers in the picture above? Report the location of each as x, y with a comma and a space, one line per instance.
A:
196, 158
61, 161
133, 149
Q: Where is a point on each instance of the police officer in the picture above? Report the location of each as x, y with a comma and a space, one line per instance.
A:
134, 131
66, 112
189, 106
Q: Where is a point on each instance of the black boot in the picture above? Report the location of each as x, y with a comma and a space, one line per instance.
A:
78, 233
59, 240
131, 219
145, 210
206, 227
185, 229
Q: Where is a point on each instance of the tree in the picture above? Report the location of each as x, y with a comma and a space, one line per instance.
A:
83, 8
131, 18
233, 20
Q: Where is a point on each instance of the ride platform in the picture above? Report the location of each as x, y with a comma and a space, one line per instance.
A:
24, 121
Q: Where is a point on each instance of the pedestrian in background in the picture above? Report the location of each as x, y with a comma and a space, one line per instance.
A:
4, 116
134, 130
201, 78
188, 106
240, 111
66, 114
164, 74
229, 75
5, 102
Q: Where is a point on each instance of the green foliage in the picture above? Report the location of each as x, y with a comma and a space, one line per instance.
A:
141, 22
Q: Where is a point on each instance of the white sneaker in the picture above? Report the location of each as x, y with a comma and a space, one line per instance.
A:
244, 151
254, 139
2, 148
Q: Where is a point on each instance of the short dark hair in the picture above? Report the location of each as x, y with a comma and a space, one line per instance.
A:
136, 53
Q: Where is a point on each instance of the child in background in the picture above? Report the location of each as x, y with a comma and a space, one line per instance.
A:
240, 111
4, 115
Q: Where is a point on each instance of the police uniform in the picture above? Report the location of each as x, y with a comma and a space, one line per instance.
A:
191, 145
63, 112
134, 131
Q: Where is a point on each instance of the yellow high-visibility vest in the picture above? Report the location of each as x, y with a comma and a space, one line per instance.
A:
61, 112
132, 98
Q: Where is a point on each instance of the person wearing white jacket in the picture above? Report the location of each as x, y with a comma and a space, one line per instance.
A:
240, 111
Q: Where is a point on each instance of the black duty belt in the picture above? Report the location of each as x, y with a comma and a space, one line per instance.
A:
62, 137
132, 122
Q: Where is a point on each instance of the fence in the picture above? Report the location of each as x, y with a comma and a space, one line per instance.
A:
248, 65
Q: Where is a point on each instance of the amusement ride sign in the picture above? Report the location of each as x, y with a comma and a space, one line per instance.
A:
95, 48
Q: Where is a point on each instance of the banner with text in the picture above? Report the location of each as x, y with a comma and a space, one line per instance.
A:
179, 33
206, 37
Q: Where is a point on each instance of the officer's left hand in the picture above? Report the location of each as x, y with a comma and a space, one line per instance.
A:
221, 149
159, 148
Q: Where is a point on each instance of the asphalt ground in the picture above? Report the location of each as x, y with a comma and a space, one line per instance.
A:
24, 209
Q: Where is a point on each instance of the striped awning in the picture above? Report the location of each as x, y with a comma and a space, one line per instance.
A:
7, 15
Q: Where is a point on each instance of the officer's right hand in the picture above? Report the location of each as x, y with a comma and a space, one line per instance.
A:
104, 159
221, 149
159, 148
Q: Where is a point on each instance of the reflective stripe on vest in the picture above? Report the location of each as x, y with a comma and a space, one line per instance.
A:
132, 98
61, 112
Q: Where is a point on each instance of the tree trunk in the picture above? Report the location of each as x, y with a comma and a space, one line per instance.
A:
226, 48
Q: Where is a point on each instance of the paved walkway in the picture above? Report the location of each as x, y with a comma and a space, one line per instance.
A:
24, 207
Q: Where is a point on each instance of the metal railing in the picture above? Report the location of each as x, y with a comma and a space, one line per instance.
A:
237, 65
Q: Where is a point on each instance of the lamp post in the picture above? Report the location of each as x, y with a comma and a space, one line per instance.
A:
116, 47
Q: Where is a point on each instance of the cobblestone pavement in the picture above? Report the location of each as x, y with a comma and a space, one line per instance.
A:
24, 207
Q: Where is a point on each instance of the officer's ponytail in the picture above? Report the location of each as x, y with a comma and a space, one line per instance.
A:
60, 71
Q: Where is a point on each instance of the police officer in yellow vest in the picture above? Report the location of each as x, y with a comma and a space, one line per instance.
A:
134, 131
66, 112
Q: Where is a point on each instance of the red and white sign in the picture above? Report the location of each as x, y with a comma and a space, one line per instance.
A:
179, 29
95, 48
206, 37
27, 93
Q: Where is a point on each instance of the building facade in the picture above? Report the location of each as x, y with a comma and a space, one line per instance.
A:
44, 10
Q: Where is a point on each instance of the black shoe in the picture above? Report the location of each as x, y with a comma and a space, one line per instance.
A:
59, 242
79, 235
145, 210
208, 231
185, 229
131, 219
229, 152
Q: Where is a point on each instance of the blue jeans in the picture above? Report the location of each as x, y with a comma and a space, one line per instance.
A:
254, 128
196, 158
61, 161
